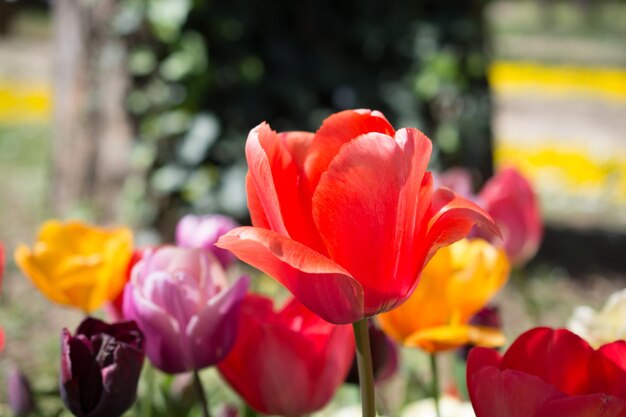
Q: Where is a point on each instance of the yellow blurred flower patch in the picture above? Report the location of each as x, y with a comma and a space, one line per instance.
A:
527, 77
22, 101
77, 264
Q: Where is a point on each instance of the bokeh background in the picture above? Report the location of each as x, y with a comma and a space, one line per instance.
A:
137, 111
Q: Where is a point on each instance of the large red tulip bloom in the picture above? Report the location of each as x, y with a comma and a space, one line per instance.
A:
509, 198
347, 217
549, 373
287, 363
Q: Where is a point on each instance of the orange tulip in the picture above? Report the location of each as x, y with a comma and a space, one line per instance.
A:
455, 285
76, 264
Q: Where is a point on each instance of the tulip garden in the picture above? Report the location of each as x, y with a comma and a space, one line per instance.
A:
356, 254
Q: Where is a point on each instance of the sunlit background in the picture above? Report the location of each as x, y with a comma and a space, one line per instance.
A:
137, 111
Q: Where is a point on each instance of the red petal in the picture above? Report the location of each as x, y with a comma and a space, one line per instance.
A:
508, 393
559, 357
452, 217
480, 357
608, 369
277, 196
413, 202
337, 130
298, 144
255, 206
319, 283
362, 206
269, 166
596, 405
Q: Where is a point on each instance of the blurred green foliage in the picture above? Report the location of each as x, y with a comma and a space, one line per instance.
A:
205, 73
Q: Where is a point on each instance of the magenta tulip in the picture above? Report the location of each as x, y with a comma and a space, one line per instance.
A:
203, 232
181, 301
509, 198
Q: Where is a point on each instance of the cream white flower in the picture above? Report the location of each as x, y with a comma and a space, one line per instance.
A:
448, 406
604, 326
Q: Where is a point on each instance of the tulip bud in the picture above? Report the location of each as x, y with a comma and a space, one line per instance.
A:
384, 356
203, 232
19, 393
100, 368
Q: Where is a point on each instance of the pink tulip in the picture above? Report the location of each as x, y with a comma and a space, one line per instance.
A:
181, 302
203, 231
509, 198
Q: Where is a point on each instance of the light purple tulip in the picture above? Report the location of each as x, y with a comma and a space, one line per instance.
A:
181, 302
203, 231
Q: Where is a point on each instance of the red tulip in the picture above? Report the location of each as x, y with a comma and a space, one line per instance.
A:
549, 373
509, 198
346, 218
289, 362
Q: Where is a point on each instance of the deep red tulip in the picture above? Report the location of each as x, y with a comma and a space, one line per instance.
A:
289, 362
549, 373
509, 198
385, 356
346, 218
100, 367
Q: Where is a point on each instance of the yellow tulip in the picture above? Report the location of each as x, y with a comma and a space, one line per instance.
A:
76, 264
456, 284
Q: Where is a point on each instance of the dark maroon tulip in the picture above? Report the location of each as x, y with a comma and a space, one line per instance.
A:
489, 316
100, 367
384, 356
19, 393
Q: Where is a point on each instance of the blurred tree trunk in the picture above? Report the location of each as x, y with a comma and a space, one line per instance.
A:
6, 14
92, 134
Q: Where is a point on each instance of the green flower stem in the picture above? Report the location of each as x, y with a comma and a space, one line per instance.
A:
197, 384
435, 381
249, 412
366, 370
146, 401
